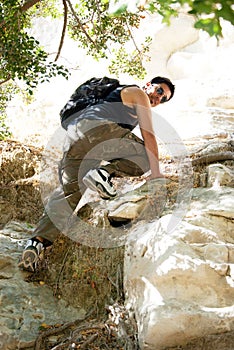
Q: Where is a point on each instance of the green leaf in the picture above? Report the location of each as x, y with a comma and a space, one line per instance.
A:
226, 12
210, 25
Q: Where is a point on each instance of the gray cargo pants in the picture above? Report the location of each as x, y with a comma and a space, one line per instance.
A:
96, 141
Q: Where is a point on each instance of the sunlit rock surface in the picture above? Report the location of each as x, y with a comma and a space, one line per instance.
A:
181, 284
172, 278
219, 175
25, 307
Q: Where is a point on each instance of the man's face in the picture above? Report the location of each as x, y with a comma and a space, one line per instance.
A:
157, 93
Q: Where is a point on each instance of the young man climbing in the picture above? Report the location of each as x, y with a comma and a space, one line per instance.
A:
101, 132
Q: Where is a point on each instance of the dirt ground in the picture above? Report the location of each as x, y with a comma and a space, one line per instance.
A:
20, 197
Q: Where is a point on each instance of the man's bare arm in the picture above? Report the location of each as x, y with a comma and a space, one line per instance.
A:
137, 97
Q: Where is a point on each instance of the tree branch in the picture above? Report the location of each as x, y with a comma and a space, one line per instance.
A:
133, 40
4, 81
63, 31
79, 22
27, 5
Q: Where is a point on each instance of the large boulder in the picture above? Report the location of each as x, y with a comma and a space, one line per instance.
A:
180, 285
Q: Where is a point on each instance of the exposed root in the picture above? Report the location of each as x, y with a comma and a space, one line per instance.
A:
213, 157
118, 332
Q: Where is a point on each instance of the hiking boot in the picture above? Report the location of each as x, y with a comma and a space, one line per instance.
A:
31, 254
99, 180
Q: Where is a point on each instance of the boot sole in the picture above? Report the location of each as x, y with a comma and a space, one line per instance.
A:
88, 181
29, 259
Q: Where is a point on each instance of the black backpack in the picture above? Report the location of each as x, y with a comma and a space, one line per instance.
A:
91, 92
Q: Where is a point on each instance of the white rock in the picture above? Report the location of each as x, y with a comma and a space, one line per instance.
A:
181, 285
219, 175
222, 102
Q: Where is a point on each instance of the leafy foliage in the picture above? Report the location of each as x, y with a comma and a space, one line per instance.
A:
49, 8
130, 64
208, 13
101, 27
100, 33
214, 11
6, 92
4, 129
21, 56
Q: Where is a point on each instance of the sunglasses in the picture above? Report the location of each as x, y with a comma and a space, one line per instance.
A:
161, 92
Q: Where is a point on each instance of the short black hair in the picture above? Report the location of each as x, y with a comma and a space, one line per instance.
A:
159, 80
